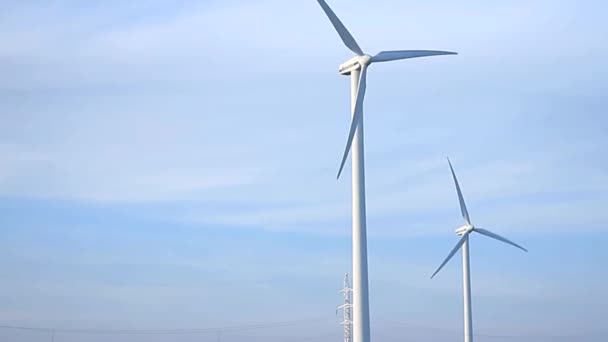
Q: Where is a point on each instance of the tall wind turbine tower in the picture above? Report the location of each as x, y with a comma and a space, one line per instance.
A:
464, 231
357, 67
346, 308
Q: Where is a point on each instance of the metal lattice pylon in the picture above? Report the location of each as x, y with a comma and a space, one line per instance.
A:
346, 308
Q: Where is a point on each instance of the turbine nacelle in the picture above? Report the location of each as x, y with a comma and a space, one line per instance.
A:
354, 63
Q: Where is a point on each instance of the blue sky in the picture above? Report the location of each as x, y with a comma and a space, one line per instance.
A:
172, 164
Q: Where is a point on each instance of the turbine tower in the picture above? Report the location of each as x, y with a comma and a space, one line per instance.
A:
465, 231
356, 67
346, 308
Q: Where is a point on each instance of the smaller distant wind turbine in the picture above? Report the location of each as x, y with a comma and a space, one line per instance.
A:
464, 231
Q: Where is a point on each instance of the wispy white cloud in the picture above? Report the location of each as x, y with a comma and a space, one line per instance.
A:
188, 105
51, 46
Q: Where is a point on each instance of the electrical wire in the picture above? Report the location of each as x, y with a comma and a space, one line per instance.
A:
233, 328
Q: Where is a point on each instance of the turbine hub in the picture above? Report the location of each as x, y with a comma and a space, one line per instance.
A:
354, 63
464, 229
365, 60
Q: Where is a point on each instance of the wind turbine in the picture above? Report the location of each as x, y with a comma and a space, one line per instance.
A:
465, 231
356, 67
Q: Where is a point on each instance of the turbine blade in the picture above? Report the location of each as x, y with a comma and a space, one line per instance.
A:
463, 206
358, 113
387, 56
498, 237
458, 245
347, 38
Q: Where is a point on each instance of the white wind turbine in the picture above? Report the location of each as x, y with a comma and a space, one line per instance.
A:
356, 67
464, 231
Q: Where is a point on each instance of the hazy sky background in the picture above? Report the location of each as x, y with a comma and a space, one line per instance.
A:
171, 164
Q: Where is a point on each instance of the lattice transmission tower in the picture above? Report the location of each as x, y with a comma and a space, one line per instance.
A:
346, 308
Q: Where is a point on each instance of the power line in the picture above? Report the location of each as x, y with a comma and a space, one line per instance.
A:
309, 338
247, 327
233, 328
443, 331
579, 335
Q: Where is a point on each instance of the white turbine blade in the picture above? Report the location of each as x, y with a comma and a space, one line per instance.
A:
463, 206
458, 245
387, 56
498, 237
347, 38
358, 111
